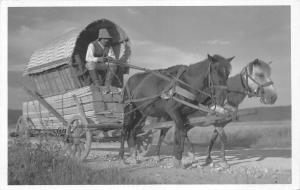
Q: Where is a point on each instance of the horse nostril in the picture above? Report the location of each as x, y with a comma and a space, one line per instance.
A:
273, 99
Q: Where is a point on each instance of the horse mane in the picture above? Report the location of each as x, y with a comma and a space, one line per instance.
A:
206, 61
171, 70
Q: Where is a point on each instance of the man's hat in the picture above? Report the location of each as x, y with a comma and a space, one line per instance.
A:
103, 33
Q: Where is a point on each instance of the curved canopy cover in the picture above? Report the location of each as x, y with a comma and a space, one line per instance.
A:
63, 50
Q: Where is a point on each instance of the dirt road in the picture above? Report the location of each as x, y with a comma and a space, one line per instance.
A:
246, 166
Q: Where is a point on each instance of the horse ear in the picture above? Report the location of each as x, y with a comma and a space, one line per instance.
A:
230, 59
210, 58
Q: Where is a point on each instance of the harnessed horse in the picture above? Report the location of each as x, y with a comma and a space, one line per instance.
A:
253, 81
159, 98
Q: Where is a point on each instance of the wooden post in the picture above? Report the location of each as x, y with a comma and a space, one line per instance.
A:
80, 109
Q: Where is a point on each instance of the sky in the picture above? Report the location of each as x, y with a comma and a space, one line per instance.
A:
162, 37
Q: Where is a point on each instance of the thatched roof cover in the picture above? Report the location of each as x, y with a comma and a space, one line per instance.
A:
62, 50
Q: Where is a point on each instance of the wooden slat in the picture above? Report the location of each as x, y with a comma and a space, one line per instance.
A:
65, 81
32, 112
48, 80
45, 104
39, 90
69, 76
41, 84
58, 82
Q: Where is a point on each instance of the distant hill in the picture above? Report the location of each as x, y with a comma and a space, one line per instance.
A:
13, 116
272, 113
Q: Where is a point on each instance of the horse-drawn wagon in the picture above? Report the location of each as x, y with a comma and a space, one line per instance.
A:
62, 94
65, 103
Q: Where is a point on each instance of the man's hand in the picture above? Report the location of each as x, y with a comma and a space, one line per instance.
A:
100, 59
109, 59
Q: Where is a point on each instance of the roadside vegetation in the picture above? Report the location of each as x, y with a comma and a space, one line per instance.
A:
262, 134
41, 164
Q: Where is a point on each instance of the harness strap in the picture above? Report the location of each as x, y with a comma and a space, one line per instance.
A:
197, 107
141, 99
183, 92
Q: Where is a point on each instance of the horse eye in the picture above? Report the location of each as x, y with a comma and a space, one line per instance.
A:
226, 72
260, 75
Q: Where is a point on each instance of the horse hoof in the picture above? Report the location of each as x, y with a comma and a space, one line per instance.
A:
208, 161
177, 164
131, 161
195, 165
156, 159
118, 157
223, 165
192, 156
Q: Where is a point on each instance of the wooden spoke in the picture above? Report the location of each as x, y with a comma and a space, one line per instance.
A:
144, 143
79, 139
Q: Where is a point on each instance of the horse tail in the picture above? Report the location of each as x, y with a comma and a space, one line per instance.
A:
126, 94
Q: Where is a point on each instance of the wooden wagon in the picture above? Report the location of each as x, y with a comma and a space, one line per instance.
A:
61, 91
64, 101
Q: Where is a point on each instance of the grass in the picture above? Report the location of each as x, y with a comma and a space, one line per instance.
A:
261, 134
41, 164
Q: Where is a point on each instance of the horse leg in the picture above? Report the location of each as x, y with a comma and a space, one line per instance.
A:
180, 134
122, 149
223, 139
132, 138
213, 138
162, 136
191, 151
128, 121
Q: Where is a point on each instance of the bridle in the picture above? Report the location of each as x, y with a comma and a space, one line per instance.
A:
212, 86
259, 91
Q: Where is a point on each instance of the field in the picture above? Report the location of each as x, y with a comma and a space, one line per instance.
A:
258, 152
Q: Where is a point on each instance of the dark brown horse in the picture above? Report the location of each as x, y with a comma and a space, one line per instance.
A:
202, 76
254, 81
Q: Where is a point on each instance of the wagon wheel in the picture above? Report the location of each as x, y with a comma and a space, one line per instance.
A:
78, 139
23, 127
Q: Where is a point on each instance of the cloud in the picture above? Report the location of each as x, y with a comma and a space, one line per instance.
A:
24, 41
216, 42
16, 67
155, 55
132, 11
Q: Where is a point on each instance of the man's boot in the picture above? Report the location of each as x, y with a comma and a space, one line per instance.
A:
95, 78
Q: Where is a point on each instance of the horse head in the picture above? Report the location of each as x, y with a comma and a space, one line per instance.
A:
258, 81
219, 70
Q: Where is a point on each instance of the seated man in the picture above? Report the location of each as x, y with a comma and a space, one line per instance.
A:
98, 53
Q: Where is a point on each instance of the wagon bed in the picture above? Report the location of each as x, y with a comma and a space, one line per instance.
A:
99, 108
